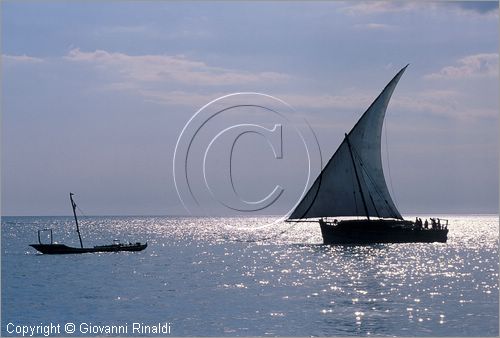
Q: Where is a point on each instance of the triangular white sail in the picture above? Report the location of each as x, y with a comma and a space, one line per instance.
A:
352, 183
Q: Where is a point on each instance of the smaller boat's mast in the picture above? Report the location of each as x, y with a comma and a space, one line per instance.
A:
357, 177
73, 205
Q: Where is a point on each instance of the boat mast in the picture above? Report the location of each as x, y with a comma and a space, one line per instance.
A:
357, 177
73, 205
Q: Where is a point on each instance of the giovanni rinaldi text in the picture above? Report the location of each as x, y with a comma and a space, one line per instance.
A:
51, 329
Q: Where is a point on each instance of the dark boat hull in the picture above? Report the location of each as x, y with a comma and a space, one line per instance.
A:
379, 231
59, 249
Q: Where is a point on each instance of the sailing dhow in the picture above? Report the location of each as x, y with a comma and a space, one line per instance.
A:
352, 184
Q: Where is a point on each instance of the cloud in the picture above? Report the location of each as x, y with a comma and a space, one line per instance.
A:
151, 32
181, 98
172, 69
21, 59
150, 77
334, 102
378, 7
374, 26
481, 7
477, 65
443, 103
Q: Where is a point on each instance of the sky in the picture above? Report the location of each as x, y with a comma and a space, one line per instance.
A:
95, 96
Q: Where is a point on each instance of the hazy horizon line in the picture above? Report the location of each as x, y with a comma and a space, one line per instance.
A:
249, 216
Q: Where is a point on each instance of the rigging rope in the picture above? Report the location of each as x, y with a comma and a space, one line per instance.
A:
80, 210
377, 190
365, 183
260, 239
354, 192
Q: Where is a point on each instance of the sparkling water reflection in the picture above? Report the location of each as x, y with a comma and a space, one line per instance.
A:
199, 275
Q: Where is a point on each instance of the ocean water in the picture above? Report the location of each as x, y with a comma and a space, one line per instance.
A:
209, 277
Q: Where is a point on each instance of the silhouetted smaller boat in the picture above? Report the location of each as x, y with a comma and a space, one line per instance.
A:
58, 249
